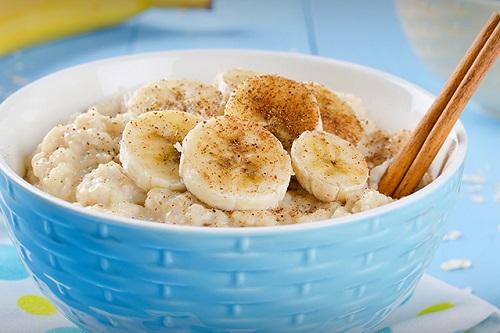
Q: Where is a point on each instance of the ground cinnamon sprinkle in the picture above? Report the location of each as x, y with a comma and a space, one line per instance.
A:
286, 107
379, 146
337, 115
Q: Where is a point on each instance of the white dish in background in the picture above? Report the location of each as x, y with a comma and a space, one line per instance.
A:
441, 31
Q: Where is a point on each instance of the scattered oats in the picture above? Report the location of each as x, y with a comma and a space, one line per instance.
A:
18, 80
477, 199
474, 188
468, 290
178, 147
475, 179
455, 264
452, 235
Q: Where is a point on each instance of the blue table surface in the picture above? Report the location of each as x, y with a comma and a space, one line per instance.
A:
361, 31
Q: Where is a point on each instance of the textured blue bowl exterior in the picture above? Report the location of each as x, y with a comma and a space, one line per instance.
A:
117, 277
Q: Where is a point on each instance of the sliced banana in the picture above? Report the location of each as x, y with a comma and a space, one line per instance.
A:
328, 166
228, 81
232, 164
337, 115
184, 95
147, 148
285, 107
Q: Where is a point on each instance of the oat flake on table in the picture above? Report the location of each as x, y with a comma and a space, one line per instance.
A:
475, 179
452, 235
455, 264
474, 188
477, 199
18, 80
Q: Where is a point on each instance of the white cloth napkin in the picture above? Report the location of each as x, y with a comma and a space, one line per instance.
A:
434, 307
437, 307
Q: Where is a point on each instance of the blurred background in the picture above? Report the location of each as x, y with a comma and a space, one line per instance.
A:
418, 40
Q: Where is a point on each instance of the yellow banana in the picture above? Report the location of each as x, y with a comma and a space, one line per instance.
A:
25, 22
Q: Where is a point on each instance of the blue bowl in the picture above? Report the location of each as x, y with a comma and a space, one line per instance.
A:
112, 274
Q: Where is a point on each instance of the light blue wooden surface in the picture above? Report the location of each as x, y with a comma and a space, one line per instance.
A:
366, 32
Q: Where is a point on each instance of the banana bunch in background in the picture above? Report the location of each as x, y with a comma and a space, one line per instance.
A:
26, 22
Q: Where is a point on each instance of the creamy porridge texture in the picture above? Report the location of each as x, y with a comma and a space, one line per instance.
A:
254, 150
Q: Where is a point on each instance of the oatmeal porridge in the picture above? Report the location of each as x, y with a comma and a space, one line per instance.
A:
252, 150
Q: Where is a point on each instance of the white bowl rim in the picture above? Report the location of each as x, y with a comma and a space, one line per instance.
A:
242, 231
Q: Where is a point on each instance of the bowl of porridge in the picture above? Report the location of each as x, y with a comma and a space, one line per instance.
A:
220, 190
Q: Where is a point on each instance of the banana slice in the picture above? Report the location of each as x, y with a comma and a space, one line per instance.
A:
327, 166
337, 116
228, 81
184, 95
147, 148
233, 164
285, 107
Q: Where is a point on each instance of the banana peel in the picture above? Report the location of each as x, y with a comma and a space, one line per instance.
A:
27, 22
